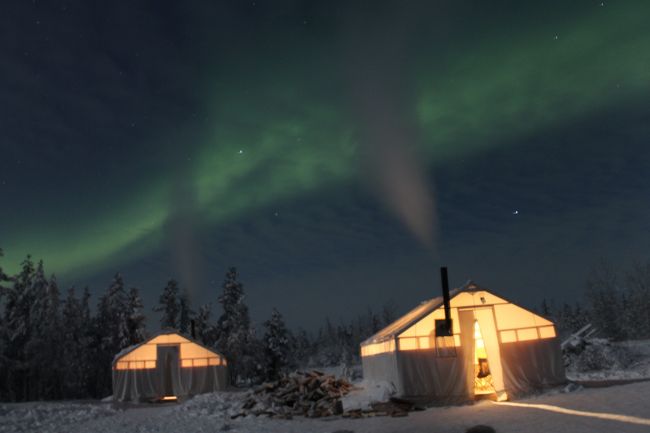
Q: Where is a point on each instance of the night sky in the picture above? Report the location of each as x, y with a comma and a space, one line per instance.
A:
337, 153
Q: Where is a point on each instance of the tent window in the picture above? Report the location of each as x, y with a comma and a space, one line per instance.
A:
445, 343
547, 332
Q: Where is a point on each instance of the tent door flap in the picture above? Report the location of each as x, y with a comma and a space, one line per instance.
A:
168, 366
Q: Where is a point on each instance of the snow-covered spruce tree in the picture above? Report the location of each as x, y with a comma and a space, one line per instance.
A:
169, 305
184, 312
4, 278
135, 320
44, 348
235, 337
388, 315
303, 352
605, 301
277, 345
74, 353
87, 345
202, 327
110, 331
18, 302
35, 346
638, 299
53, 347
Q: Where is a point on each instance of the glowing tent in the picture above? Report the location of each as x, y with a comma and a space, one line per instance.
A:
165, 367
497, 348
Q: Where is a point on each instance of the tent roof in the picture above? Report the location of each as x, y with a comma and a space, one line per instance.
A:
413, 316
167, 331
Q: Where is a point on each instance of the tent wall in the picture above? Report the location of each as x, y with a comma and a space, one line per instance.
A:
134, 385
532, 365
199, 380
380, 368
425, 376
148, 384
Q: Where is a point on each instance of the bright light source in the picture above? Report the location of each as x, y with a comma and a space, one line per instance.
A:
600, 415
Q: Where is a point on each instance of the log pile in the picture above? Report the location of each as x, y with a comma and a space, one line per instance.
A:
311, 394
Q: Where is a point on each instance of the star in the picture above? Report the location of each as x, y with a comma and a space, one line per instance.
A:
556, 37
276, 214
241, 151
515, 212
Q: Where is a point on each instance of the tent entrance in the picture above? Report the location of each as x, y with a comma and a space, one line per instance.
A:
483, 382
168, 367
483, 359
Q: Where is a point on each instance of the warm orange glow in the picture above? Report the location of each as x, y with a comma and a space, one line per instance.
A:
377, 348
422, 343
479, 348
142, 353
408, 344
473, 299
192, 350
527, 334
169, 398
510, 316
425, 326
190, 353
168, 339
547, 332
135, 365
600, 415
513, 322
508, 336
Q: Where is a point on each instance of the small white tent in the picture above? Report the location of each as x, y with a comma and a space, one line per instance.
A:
167, 366
497, 348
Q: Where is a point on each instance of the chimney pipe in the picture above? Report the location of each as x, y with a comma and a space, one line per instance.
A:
193, 329
445, 299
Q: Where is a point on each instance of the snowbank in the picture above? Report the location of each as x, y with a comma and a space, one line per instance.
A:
366, 393
221, 405
48, 417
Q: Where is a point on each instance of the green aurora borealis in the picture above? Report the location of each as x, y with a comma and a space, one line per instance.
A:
290, 118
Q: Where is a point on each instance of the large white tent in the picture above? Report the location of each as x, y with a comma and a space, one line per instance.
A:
496, 347
167, 366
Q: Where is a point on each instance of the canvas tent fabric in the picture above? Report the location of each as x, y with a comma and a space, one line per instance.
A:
168, 364
522, 349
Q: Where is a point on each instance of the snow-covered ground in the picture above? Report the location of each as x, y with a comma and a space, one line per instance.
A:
46, 417
624, 408
593, 410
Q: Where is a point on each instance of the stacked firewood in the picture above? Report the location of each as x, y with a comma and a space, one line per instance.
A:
311, 394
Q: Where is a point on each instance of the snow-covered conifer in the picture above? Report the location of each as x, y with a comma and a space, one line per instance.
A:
277, 345
169, 305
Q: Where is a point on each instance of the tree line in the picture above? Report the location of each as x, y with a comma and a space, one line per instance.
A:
56, 346
616, 303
